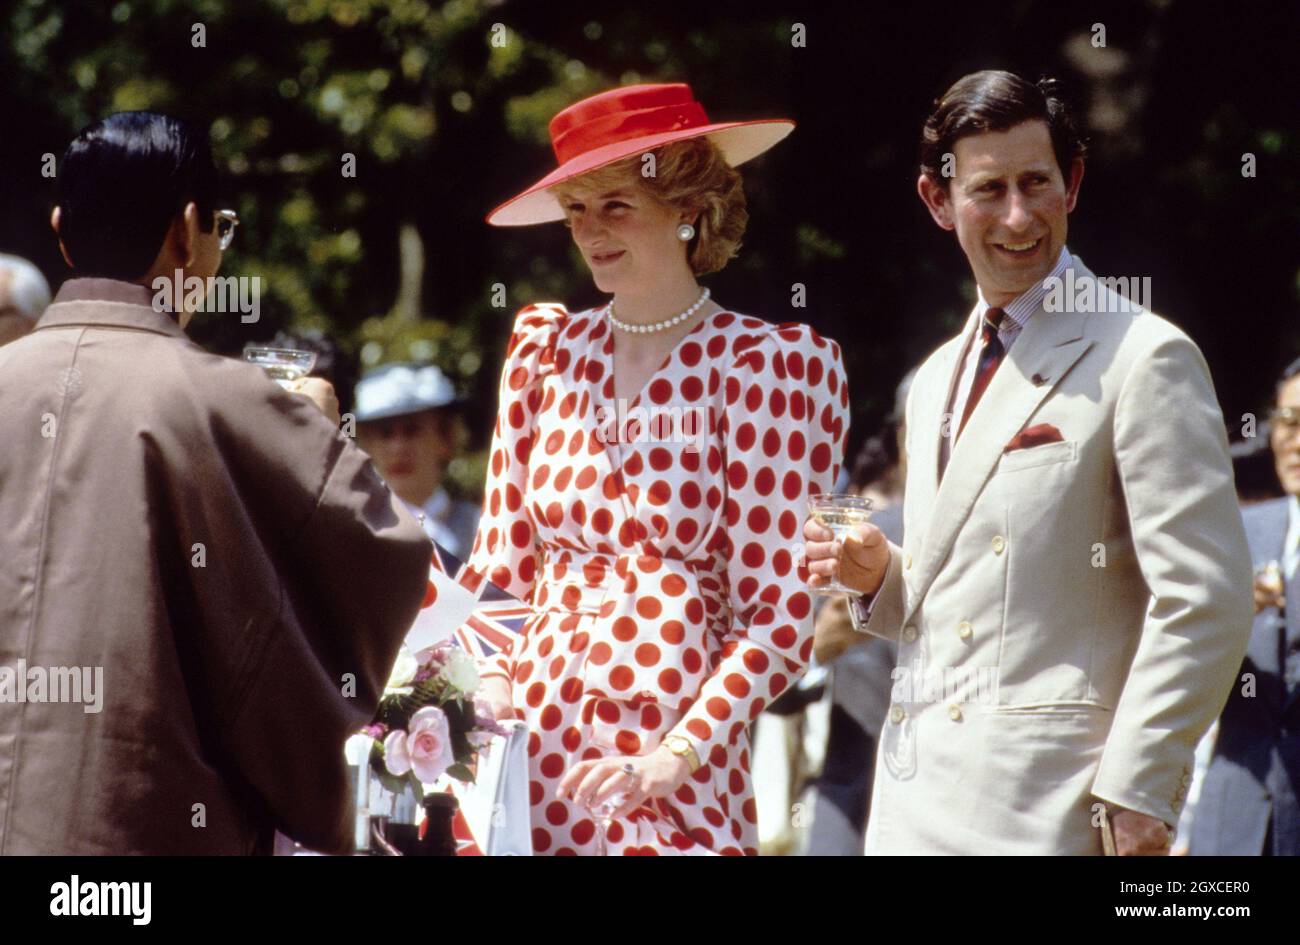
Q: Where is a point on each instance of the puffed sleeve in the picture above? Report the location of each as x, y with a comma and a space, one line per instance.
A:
505, 548
785, 423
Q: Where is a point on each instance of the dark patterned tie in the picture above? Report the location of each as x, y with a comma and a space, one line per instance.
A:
990, 357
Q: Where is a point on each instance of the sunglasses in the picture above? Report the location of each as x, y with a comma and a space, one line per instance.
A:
227, 220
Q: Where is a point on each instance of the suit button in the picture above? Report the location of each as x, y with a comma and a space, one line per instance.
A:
909, 633
954, 712
998, 544
896, 714
964, 630
907, 562
1186, 780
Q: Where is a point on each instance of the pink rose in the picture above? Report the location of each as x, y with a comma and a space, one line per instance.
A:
425, 747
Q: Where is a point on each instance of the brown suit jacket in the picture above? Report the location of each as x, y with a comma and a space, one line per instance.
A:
226, 556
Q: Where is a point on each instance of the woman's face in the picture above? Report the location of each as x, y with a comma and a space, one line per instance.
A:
410, 452
626, 237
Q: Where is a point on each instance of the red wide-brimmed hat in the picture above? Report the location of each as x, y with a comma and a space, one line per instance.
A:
624, 122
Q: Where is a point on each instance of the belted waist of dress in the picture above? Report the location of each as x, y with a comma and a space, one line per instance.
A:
596, 583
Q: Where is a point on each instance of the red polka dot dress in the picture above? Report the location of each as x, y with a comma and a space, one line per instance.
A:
657, 542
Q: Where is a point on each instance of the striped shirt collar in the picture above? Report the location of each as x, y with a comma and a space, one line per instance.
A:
1022, 307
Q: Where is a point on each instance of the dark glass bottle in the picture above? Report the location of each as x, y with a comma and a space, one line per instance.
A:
436, 835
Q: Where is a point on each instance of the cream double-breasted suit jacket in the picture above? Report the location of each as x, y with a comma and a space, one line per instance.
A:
1070, 616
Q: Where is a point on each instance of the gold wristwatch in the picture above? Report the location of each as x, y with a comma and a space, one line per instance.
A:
682, 748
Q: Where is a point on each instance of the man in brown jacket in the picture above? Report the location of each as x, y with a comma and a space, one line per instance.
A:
204, 584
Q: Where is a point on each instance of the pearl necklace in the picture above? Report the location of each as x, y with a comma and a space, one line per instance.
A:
657, 326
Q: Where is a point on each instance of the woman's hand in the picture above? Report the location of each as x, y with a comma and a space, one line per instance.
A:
1268, 592
495, 691
658, 774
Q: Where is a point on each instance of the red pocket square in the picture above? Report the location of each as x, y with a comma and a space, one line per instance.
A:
1034, 436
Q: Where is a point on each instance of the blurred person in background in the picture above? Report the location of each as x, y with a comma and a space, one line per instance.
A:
1248, 802
408, 420
1254, 467
860, 675
1256, 480
24, 294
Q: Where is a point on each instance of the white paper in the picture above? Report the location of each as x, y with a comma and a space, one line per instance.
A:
444, 616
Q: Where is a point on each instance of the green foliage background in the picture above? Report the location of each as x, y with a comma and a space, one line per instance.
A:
444, 123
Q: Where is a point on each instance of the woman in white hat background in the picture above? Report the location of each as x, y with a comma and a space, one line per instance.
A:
648, 474
407, 421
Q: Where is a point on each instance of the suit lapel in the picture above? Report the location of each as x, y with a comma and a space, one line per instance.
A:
1291, 592
1292, 631
1267, 537
1045, 351
955, 355
935, 400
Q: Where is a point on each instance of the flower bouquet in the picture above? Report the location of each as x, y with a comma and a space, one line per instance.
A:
429, 722
430, 727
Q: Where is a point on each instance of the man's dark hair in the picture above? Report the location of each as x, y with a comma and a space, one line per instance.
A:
997, 101
1288, 372
122, 182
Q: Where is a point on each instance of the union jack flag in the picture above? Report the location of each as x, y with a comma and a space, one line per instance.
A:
462, 604
482, 618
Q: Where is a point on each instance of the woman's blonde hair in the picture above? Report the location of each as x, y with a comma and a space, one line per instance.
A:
694, 177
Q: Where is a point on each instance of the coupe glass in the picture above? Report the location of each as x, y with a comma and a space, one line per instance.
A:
284, 365
840, 513
603, 814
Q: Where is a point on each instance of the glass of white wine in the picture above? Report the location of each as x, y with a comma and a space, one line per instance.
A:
284, 365
840, 513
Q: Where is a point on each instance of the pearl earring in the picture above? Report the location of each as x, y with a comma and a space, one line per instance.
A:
686, 232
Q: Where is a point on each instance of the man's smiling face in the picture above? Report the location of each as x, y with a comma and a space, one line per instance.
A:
1008, 203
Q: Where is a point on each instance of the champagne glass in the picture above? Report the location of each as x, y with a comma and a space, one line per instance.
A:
284, 365
841, 513
603, 813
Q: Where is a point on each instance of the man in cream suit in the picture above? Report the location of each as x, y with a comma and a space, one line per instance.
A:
1073, 595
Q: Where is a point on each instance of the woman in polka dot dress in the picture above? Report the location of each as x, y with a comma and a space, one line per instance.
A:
648, 476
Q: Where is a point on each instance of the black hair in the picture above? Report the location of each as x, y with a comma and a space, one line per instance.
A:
122, 182
1253, 468
878, 455
1288, 372
997, 101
